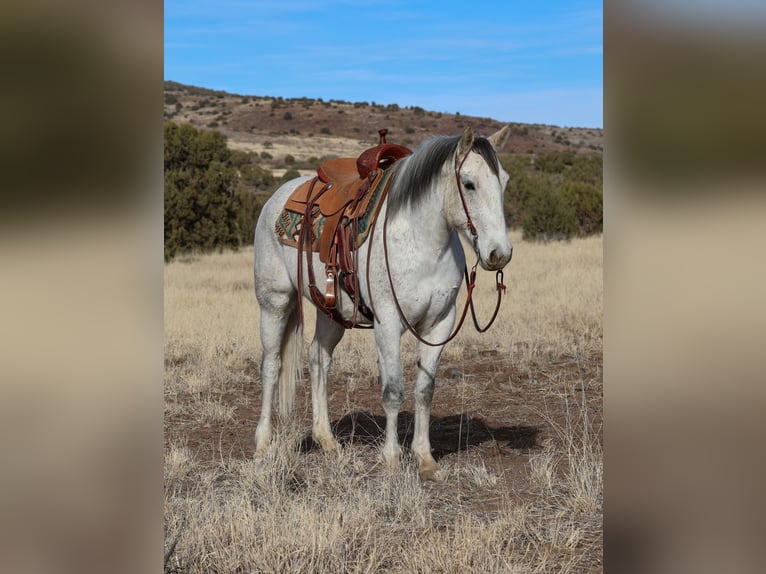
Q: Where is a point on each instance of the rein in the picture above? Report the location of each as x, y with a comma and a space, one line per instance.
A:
470, 280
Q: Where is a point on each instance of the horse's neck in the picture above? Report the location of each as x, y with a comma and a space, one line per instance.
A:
419, 237
428, 222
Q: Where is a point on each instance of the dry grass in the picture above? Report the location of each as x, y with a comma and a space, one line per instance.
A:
211, 322
296, 511
292, 512
553, 308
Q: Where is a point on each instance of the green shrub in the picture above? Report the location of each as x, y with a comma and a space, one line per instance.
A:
587, 200
247, 216
291, 173
200, 205
587, 168
557, 196
548, 215
555, 162
255, 178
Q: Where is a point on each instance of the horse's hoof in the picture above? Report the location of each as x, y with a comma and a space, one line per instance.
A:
326, 442
330, 446
391, 463
428, 471
261, 446
261, 452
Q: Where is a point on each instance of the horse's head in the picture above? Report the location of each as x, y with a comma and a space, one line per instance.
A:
482, 182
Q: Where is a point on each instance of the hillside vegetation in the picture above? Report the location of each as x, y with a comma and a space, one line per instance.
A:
252, 122
555, 190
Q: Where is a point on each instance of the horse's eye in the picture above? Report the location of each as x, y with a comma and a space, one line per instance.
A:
469, 185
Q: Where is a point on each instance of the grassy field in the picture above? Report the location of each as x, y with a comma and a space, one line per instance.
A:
516, 429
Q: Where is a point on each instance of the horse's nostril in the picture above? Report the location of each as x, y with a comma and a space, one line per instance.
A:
499, 257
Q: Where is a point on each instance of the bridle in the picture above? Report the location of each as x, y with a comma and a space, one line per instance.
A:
470, 279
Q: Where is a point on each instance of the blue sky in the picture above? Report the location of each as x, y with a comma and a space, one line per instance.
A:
530, 62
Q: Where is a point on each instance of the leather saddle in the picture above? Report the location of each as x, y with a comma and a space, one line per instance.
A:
330, 207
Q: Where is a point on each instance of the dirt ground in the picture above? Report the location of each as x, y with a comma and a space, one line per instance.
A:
483, 406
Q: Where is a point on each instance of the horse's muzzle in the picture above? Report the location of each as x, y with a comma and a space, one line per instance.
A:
497, 259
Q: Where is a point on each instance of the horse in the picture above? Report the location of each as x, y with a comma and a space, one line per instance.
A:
411, 268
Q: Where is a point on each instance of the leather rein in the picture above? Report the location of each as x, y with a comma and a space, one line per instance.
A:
470, 279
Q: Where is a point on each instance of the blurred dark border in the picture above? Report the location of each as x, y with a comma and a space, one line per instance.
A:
81, 82
81, 286
684, 283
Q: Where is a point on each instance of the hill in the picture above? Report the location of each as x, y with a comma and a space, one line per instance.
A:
312, 128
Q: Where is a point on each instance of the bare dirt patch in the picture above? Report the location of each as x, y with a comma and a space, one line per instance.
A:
491, 408
300, 147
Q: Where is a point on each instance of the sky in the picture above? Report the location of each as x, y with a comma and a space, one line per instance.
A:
529, 62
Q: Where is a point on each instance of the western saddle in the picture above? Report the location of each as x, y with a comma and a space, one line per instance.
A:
332, 214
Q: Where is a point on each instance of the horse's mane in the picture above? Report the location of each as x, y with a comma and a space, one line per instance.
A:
415, 173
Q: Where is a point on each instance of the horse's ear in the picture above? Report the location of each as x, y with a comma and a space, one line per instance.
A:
466, 142
499, 138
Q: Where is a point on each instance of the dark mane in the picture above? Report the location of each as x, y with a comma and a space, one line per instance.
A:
415, 173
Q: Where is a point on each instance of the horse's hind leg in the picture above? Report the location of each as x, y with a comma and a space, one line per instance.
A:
327, 335
276, 319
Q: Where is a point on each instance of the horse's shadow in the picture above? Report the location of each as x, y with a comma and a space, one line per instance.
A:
449, 434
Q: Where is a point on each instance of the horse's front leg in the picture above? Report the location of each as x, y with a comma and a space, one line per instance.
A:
428, 363
387, 338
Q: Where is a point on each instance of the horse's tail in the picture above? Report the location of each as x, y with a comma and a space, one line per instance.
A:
290, 370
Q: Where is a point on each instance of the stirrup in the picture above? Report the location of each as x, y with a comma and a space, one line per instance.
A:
331, 285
